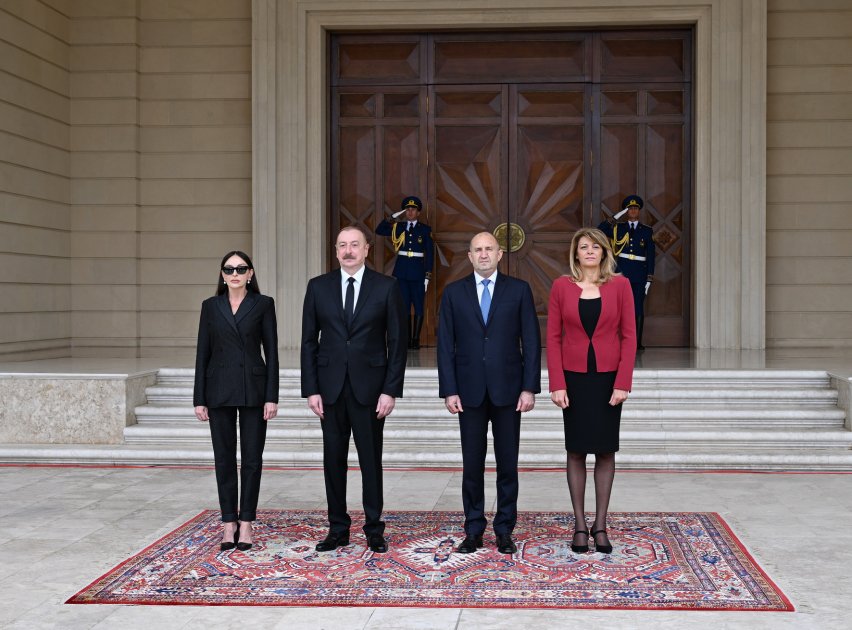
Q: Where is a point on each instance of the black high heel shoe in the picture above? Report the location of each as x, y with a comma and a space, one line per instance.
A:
243, 546
580, 548
227, 546
601, 548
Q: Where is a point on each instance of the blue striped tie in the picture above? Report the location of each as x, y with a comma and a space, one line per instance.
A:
485, 300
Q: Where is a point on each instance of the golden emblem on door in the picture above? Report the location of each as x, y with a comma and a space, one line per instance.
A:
511, 232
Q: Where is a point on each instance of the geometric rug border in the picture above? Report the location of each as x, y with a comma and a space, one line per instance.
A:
198, 535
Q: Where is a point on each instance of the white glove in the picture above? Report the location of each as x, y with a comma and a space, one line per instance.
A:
619, 215
425, 285
396, 214
647, 286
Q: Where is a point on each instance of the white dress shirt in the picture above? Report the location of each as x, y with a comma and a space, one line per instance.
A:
480, 288
344, 283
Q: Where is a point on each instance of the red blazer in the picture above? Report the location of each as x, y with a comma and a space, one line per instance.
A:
614, 338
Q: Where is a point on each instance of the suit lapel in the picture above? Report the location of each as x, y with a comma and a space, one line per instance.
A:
472, 298
367, 286
225, 308
248, 303
607, 305
496, 295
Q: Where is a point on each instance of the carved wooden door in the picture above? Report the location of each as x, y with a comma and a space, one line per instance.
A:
528, 135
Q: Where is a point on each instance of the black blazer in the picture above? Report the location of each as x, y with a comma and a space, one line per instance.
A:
373, 352
501, 357
229, 369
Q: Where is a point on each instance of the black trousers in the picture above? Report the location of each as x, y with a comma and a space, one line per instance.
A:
506, 429
344, 417
223, 430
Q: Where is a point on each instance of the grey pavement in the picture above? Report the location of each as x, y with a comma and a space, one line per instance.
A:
66, 526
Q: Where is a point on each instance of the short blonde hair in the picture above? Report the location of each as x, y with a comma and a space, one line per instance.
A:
607, 266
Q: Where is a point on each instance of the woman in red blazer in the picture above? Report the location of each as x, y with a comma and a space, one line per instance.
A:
591, 348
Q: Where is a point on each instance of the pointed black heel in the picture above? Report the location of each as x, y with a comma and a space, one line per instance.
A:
580, 548
601, 548
227, 546
242, 546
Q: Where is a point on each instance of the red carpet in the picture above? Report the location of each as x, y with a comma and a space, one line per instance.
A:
673, 561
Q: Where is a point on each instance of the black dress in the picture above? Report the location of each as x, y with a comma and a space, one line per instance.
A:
591, 423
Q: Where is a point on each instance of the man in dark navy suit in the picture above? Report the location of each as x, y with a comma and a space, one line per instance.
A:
633, 246
353, 364
489, 368
412, 242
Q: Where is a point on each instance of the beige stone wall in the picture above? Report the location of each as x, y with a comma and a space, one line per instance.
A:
104, 171
125, 170
195, 159
163, 169
35, 221
809, 173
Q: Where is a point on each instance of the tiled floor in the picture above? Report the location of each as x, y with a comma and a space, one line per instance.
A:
64, 527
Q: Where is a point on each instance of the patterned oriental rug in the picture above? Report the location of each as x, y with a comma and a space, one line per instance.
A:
666, 561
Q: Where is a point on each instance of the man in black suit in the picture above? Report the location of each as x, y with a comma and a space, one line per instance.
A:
353, 362
489, 368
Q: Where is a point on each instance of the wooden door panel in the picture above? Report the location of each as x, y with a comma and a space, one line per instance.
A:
509, 58
667, 306
643, 146
619, 166
468, 174
548, 187
400, 173
648, 57
550, 177
378, 59
357, 190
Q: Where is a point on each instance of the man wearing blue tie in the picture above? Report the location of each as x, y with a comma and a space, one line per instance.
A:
489, 369
412, 242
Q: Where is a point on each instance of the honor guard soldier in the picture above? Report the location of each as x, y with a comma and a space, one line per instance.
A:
633, 246
412, 242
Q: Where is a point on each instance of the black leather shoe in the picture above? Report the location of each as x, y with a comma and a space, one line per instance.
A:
470, 544
227, 546
578, 548
602, 548
242, 546
505, 544
377, 543
332, 542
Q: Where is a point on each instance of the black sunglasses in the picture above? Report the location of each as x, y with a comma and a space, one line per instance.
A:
242, 270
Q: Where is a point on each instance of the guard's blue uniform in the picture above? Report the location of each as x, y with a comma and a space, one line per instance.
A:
640, 245
413, 260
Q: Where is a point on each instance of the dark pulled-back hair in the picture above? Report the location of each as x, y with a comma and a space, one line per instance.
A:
251, 287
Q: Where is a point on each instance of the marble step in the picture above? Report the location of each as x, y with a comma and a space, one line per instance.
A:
432, 440
684, 396
415, 376
628, 458
728, 415
680, 419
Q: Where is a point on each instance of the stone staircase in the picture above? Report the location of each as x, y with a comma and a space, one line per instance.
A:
675, 419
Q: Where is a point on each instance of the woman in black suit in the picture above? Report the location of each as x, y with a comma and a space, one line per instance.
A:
232, 379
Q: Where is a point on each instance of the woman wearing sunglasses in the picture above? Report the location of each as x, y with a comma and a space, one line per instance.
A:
232, 379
